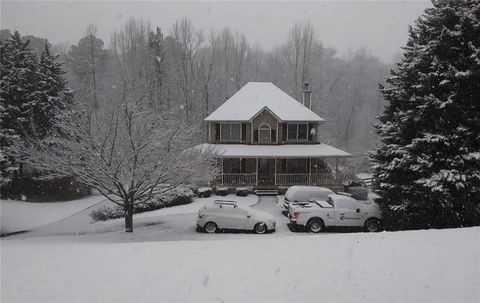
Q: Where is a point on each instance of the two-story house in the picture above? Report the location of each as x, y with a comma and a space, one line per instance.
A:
266, 139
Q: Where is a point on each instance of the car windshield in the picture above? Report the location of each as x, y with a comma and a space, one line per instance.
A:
330, 201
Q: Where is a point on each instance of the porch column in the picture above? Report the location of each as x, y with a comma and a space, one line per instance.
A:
275, 172
256, 175
336, 169
309, 171
209, 132
223, 182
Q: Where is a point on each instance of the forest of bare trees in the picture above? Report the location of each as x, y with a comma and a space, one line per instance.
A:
184, 66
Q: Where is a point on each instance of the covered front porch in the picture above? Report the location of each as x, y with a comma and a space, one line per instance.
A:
275, 172
267, 166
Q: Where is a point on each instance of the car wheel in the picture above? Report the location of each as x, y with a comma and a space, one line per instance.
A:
210, 227
372, 225
260, 228
315, 225
293, 227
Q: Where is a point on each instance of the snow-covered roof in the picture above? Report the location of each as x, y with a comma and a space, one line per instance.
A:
273, 151
254, 97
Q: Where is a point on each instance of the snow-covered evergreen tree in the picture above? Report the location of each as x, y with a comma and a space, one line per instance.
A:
427, 169
32, 90
51, 94
17, 87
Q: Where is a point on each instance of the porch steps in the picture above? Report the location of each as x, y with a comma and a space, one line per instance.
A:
266, 192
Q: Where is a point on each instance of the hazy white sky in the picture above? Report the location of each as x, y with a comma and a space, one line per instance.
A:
381, 26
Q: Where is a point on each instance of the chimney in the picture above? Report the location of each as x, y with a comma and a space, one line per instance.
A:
307, 96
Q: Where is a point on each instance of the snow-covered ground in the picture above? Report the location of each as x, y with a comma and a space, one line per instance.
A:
165, 260
429, 266
19, 215
174, 223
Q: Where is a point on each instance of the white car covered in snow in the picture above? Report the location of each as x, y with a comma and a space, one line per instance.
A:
224, 214
336, 211
305, 194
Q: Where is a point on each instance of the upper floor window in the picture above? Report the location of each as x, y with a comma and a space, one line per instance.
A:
297, 132
230, 131
264, 133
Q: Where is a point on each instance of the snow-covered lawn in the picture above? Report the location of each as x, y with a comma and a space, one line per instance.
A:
19, 215
165, 260
173, 223
429, 266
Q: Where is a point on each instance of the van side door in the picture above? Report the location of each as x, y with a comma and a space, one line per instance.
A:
347, 212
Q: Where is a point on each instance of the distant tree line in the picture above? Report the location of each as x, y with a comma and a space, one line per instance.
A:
185, 66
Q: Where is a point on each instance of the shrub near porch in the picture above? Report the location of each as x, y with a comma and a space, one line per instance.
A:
176, 196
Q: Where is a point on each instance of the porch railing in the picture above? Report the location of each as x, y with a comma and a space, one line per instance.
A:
304, 179
281, 179
240, 179
291, 179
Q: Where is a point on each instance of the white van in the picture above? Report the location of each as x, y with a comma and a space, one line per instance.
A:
336, 211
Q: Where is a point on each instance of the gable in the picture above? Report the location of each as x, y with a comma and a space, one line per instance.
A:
265, 113
254, 97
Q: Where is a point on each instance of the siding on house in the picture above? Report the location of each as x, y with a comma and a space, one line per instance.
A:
278, 131
265, 118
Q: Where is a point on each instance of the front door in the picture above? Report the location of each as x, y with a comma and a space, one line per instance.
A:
266, 172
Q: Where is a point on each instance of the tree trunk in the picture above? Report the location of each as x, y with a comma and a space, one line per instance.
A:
129, 216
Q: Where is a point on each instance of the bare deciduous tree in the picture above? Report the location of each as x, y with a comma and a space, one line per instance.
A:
240, 54
307, 45
126, 152
292, 55
130, 48
187, 42
298, 53
208, 61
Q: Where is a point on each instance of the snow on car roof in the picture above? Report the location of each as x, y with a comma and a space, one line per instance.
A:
311, 187
273, 151
255, 97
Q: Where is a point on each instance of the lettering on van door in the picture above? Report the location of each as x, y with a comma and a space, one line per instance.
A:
346, 212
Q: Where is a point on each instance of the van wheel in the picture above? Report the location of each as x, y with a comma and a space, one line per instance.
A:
210, 227
315, 225
372, 225
260, 228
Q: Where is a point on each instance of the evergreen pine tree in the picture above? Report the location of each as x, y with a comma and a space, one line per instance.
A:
52, 94
31, 93
427, 169
17, 87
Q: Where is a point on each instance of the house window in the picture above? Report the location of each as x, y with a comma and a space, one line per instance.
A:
264, 133
297, 132
239, 165
297, 166
235, 165
230, 132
